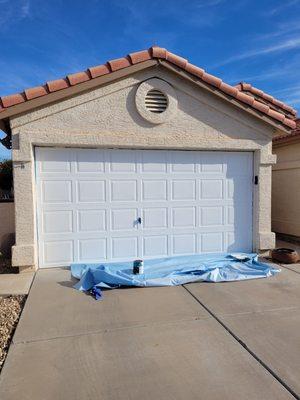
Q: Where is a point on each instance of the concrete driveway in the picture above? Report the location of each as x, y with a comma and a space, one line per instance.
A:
232, 341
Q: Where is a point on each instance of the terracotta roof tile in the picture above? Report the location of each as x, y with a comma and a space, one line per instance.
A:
194, 70
119, 63
57, 84
12, 99
232, 91
158, 52
288, 136
246, 99
78, 77
276, 115
245, 93
270, 100
140, 56
99, 70
261, 107
211, 79
289, 122
35, 92
174, 59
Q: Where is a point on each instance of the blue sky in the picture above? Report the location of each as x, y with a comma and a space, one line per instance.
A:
238, 40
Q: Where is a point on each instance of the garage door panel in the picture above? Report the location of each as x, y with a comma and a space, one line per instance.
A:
123, 161
184, 217
154, 161
123, 247
124, 219
91, 191
183, 189
211, 168
54, 160
90, 161
184, 244
123, 190
58, 252
92, 220
237, 216
212, 242
155, 246
211, 189
210, 161
90, 201
93, 249
154, 190
212, 216
56, 191
234, 161
181, 163
154, 218
235, 242
237, 189
57, 222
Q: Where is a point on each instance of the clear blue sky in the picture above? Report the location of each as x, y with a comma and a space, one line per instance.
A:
251, 40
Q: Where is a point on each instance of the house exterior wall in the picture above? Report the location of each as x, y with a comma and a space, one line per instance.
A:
107, 118
286, 189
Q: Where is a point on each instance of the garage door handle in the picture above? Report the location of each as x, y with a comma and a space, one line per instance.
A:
139, 220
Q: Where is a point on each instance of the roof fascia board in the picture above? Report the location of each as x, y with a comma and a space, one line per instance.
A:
3, 127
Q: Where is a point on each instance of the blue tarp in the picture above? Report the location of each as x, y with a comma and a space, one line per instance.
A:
173, 271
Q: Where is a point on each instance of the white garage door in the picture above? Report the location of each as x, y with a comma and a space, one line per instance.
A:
110, 205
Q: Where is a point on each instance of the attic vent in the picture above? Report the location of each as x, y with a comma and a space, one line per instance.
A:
156, 101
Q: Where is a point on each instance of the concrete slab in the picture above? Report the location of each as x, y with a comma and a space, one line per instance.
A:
281, 291
14, 284
292, 267
181, 360
55, 309
274, 337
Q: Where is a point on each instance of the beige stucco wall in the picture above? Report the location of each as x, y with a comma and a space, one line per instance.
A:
7, 226
107, 117
286, 189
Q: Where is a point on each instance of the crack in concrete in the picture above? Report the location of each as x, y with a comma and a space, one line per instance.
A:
109, 330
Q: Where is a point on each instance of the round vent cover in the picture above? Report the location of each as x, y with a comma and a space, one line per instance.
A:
156, 101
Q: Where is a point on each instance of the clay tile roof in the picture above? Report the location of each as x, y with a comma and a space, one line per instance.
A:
265, 98
243, 93
288, 137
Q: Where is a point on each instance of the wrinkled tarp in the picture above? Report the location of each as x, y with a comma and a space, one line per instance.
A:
173, 271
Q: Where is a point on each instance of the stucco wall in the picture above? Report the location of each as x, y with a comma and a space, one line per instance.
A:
7, 227
107, 117
286, 190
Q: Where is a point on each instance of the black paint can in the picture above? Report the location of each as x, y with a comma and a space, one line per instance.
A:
138, 267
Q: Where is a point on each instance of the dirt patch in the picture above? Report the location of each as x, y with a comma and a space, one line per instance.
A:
10, 310
5, 266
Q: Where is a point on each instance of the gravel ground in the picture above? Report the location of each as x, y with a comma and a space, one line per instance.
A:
10, 310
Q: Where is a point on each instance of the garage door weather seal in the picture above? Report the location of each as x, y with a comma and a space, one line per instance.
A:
173, 271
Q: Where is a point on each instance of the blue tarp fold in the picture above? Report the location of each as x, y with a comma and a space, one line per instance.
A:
173, 271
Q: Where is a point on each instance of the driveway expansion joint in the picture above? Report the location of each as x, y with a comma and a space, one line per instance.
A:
244, 345
290, 269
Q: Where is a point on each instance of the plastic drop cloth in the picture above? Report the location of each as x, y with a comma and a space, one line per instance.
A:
173, 271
